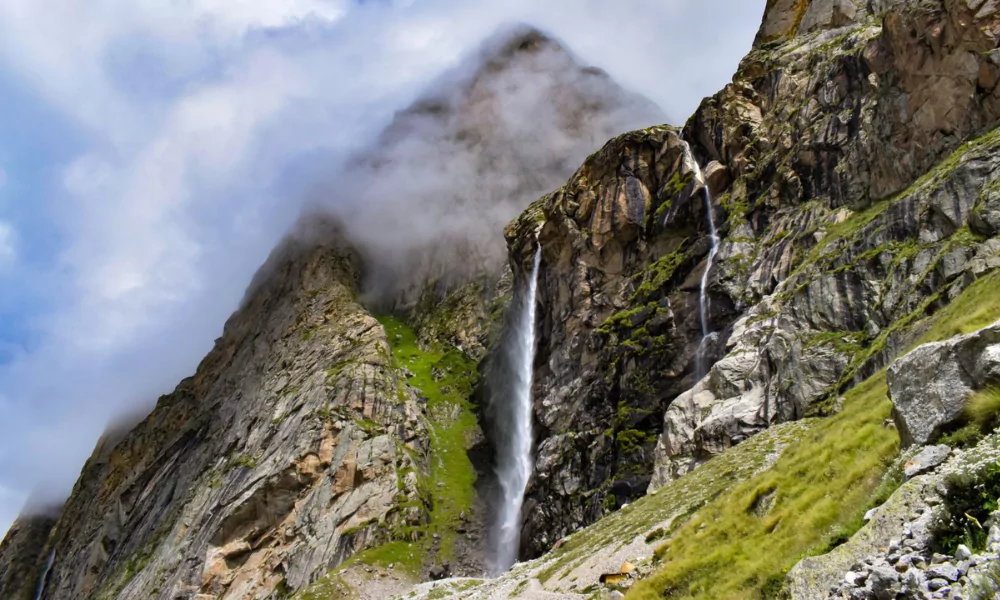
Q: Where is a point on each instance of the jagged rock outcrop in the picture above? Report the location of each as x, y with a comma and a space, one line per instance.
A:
615, 334
294, 445
931, 385
852, 161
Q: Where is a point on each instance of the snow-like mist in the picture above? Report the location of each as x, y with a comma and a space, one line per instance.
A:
428, 203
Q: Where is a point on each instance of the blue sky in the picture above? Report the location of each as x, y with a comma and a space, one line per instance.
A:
149, 161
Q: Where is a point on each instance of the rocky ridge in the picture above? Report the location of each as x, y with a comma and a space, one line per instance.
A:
851, 163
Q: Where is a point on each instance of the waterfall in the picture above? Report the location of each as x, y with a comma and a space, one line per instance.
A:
45, 575
514, 460
703, 301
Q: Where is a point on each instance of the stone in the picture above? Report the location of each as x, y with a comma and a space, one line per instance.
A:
963, 552
930, 386
615, 595
881, 580
926, 460
438, 572
945, 571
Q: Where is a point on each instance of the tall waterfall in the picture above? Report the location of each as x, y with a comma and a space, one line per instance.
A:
514, 460
45, 575
703, 301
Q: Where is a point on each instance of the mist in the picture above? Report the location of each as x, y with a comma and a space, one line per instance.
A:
428, 201
155, 153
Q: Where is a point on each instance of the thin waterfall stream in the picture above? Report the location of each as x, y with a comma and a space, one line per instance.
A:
703, 300
45, 575
514, 460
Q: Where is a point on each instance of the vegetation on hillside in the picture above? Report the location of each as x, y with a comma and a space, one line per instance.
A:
444, 378
816, 493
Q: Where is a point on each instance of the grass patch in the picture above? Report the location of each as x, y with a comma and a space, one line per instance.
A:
977, 307
445, 377
658, 515
327, 588
405, 557
983, 409
733, 550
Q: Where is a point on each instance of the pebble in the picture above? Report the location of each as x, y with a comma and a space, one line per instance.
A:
963, 553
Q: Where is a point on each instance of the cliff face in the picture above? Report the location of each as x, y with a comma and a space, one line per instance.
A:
296, 432
851, 165
21, 553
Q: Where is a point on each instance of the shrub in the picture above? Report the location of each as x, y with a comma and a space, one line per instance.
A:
970, 500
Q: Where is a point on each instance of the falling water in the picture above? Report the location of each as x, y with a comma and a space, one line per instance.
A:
45, 575
514, 461
703, 301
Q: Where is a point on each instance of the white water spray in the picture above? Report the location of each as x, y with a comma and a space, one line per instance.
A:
703, 301
514, 461
45, 575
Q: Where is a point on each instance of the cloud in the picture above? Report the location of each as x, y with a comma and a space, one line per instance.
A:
197, 120
7, 250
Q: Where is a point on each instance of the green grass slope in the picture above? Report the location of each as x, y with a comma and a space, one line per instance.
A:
744, 542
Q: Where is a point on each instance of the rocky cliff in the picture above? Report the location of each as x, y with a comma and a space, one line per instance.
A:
708, 415
851, 170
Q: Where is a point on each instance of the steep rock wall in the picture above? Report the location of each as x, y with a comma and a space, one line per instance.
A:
852, 165
292, 447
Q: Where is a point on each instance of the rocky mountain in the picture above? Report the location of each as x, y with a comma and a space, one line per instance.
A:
335, 413
849, 166
766, 363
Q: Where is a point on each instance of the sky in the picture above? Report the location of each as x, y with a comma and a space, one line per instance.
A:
152, 151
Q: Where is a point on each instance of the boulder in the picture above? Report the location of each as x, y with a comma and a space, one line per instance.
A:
928, 459
930, 386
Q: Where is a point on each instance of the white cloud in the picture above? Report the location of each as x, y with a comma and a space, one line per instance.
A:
182, 190
8, 252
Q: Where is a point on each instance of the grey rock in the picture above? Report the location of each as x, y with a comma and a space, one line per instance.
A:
963, 552
928, 459
946, 571
439, 572
930, 386
881, 581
